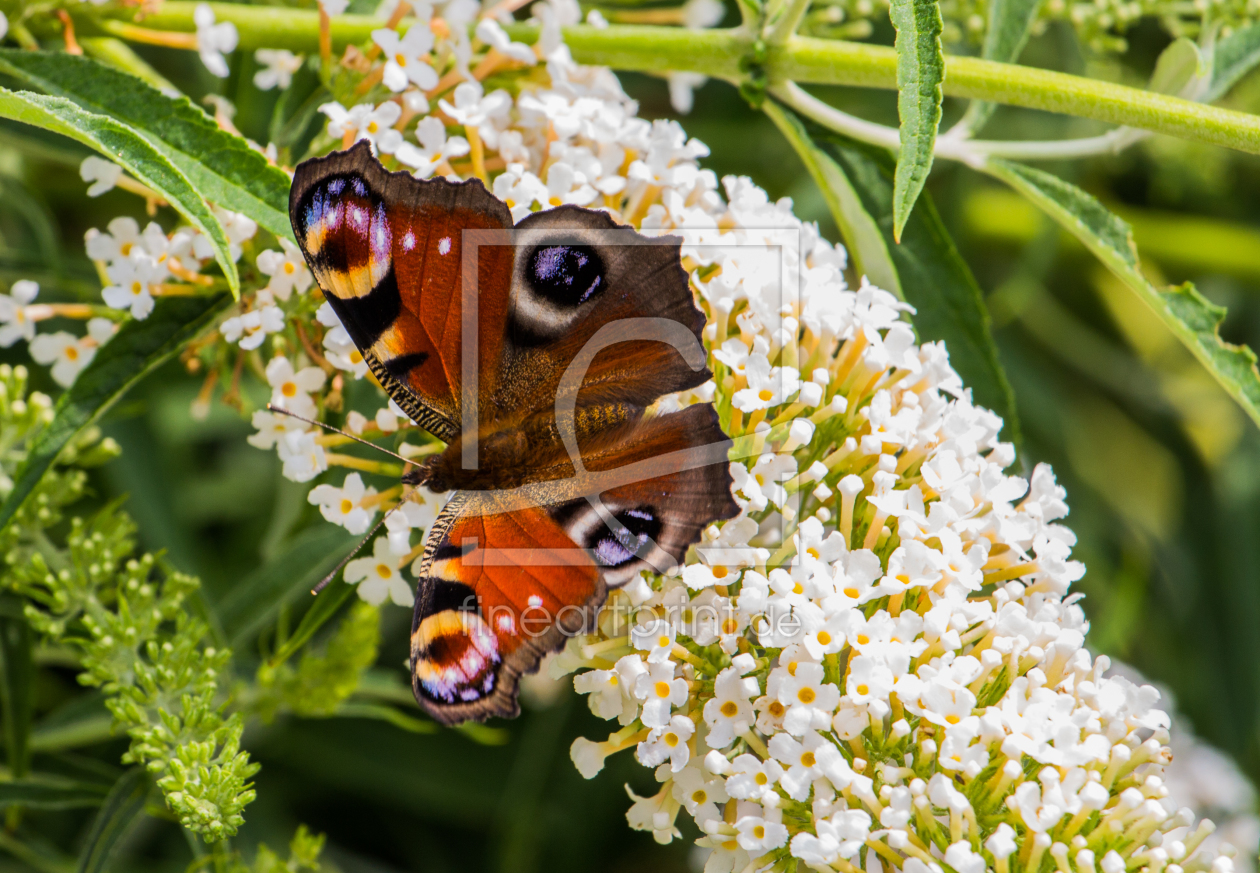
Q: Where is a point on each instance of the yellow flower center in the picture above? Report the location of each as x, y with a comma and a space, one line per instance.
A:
137, 288
761, 778
124, 249
555, 201
373, 127
671, 739
806, 695
776, 709
289, 389
851, 592
662, 689
730, 708
356, 357
72, 354
400, 59
824, 638
289, 268
384, 571
759, 832
807, 759
662, 641
952, 719
863, 689
719, 572
612, 680
766, 395
812, 552
699, 796
730, 626
863, 639
346, 506
730, 845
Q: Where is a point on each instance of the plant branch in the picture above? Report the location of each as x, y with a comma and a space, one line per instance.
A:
955, 148
717, 53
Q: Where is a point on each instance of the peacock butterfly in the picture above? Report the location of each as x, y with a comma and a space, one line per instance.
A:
534, 351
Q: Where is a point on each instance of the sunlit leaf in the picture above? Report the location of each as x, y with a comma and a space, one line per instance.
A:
920, 71
1193, 319
221, 166
129, 149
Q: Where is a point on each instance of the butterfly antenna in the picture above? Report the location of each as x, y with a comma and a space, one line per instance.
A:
283, 411
323, 583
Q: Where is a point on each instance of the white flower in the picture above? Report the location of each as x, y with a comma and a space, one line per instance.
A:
660, 693
4, 25
655, 637
472, 107
435, 148
333, 8
122, 236
752, 778
251, 328
214, 39
343, 506
292, 389
868, 680
809, 701
492, 34
340, 350
272, 427
364, 121
278, 67
403, 519
667, 743
133, 278
700, 796
682, 86
286, 269
759, 834
301, 457
729, 713
16, 322
406, 58
103, 174
378, 577
703, 13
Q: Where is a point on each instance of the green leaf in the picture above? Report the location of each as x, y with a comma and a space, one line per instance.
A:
221, 166
123, 804
920, 71
133, 152
326, 604
50, 792
1191, 317
934, 278
1175, 67
862, 235
137, 348
17, 674
1232, 58
253, 602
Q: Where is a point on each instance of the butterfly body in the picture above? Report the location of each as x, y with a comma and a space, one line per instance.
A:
536, 352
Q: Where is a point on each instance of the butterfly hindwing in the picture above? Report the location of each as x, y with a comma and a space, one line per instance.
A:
508, 576
497, 591
388, 250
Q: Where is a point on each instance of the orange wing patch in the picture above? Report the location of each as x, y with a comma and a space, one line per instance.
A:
497, 592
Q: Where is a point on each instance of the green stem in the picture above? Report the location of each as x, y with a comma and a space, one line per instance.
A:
718, 53
788, 21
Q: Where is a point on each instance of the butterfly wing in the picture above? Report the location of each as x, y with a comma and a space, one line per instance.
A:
497, 591
387, 249
577, 277
508, 576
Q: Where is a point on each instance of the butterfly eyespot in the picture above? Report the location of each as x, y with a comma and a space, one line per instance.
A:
565, 275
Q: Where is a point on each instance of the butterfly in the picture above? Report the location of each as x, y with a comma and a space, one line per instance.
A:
535, 351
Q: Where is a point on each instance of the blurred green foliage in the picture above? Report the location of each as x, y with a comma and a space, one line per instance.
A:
1163, 472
